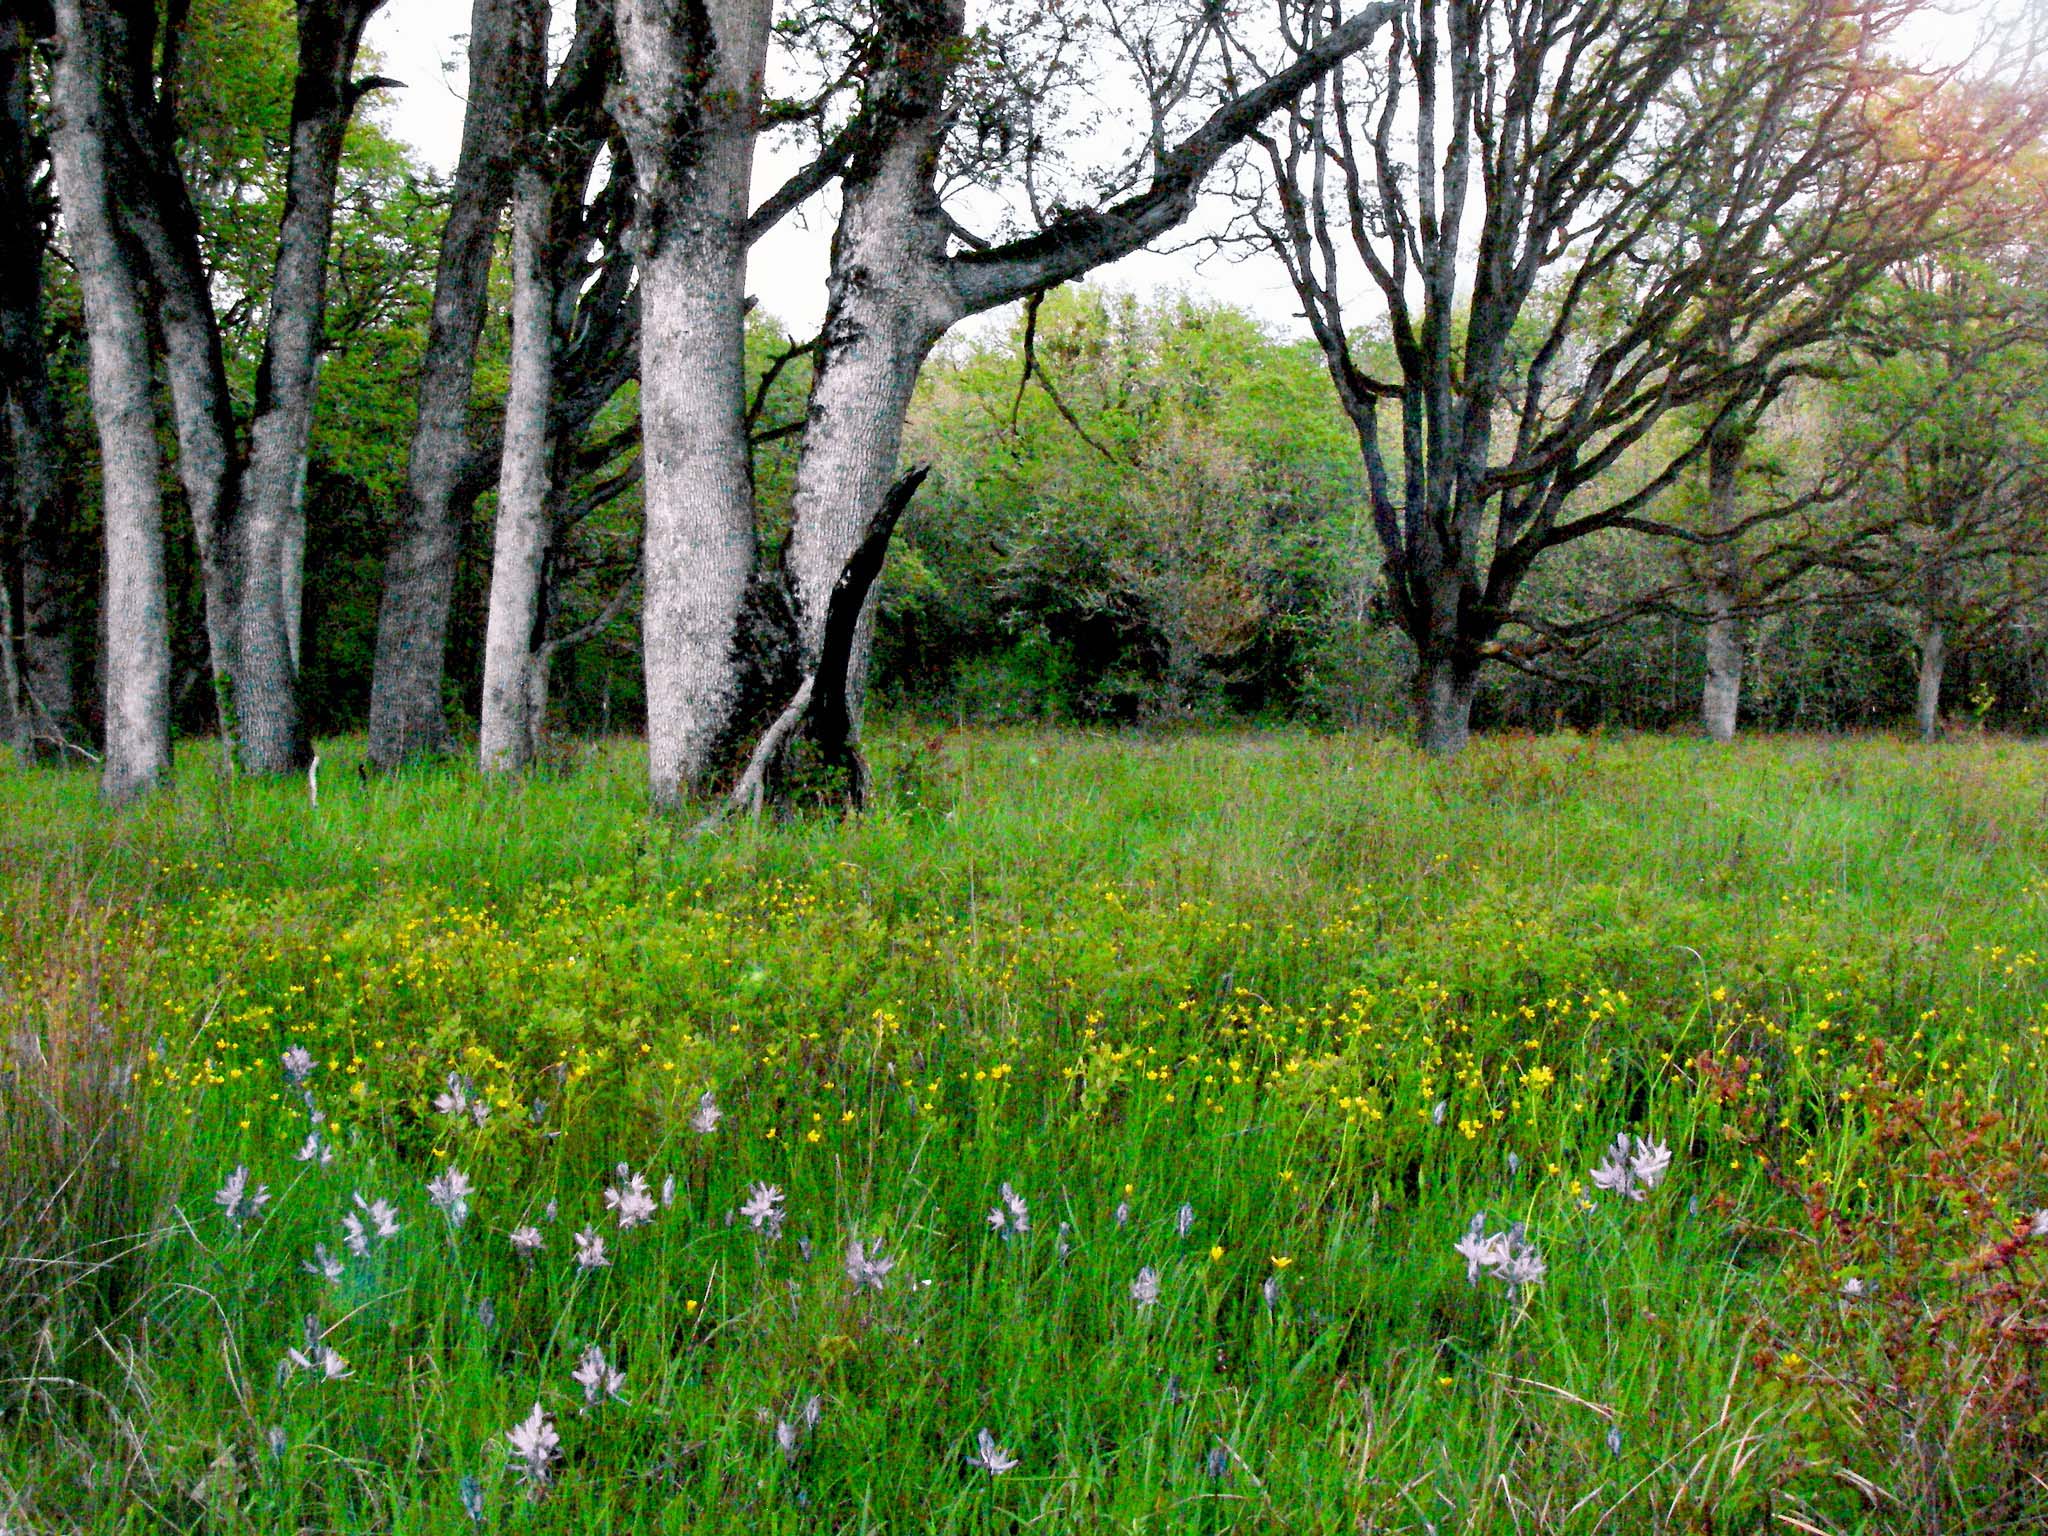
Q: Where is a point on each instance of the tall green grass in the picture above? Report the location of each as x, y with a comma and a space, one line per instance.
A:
1333, 997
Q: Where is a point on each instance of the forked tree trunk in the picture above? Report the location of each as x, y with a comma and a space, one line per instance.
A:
406, 718
1726, 631
887, 307
690, 111
1933, 645
272, 725
511, 717
138, 650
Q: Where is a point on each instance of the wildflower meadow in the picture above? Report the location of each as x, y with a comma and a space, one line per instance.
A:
1266, 1133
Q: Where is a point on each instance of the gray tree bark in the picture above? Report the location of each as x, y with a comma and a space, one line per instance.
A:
1727, 635
690, 108
273, 730
406, 717
41, 701
1933, 646
1444, 691
90, 36
894, 290
511, 713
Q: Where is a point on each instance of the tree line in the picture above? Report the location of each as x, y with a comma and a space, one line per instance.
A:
1620, 313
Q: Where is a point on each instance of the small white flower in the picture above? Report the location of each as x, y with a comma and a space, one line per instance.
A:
1480, 1251
1011, 1217
450, 1194
1507, 1256
238, 1201
707, 1115
383, 1224
865, 1266
323, 1264
535, 1446
1632, 1170
630, 1199
1854, 1288
763, 1209
527, 1241
1145, 1289
314, 1149
598, 1378
298, 1065
990, 1457
590, 1252
316, 1358
454, 1102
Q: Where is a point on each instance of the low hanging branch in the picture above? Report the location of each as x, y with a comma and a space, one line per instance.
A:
819, 715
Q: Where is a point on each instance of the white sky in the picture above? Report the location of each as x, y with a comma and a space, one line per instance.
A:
423, 43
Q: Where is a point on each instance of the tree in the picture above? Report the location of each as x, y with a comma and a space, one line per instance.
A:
1607, 210
247, 509
39, 710
91, 41
906, 269
506, 48
573, 312
1952, 425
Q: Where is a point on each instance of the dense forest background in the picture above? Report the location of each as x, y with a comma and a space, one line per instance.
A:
1143, 507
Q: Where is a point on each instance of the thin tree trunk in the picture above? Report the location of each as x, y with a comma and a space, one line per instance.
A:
406, 718
1727, 631
1933, 644
138, 650
165, 228
690, 112
512, 640
42, 639
273, 728
14, 721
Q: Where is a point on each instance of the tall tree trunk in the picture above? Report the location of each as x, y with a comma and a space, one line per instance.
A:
406, 718
324, 95
42, 639
160, 218
690, 113
1726, 633
138, 648
888, 304
512, 641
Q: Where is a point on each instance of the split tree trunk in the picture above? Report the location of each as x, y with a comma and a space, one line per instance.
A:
1726, 633
406, 718
138, 651
690, 112
273, 728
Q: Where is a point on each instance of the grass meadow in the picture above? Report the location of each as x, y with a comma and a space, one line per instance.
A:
1158, 1080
